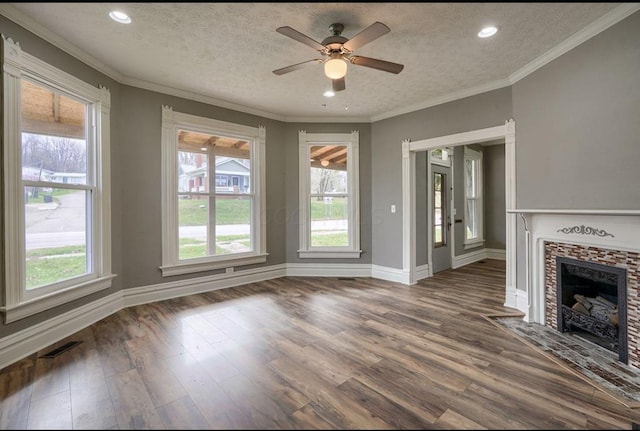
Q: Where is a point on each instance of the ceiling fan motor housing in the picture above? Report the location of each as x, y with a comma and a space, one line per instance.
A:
334, 43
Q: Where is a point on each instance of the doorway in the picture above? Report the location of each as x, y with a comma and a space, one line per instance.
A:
409, 150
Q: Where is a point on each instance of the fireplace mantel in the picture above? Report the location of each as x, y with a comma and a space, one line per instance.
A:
617, 230
575, 211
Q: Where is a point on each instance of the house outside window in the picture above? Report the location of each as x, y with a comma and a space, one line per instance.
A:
57, 186
213, 187
329, 195
473, 198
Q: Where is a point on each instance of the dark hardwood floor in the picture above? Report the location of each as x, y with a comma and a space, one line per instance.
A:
307, 353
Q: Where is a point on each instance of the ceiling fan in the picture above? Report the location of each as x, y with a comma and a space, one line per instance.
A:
338, 50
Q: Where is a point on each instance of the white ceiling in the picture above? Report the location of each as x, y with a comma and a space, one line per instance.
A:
226, 52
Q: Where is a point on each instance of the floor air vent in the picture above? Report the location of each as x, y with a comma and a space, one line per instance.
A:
60, 350
346, 278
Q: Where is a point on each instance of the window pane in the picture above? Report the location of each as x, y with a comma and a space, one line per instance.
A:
193, 213
233, 175
437, 216
328, 169
329, 222
55, 235
469, 168
54, 146
192, 172
438, 235
233, 228
471, 223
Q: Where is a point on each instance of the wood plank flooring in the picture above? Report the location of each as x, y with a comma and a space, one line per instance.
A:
309, 353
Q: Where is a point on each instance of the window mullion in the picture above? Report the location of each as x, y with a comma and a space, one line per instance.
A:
211, 230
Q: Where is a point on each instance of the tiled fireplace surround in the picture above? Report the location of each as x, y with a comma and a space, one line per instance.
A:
598, 236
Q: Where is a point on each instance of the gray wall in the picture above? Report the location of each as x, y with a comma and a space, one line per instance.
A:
494, 197
292, 187
578, 128
477, 112
140, 170
578, 125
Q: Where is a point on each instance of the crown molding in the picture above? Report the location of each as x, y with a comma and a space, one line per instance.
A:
456, 95
596, 27
171, 91
39, 30
328, 119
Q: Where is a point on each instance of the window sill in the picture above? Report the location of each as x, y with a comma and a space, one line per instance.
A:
227, 262
329, 254
43, 303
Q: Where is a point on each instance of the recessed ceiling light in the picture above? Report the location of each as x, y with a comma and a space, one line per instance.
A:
329, 93
487, 32
120, 17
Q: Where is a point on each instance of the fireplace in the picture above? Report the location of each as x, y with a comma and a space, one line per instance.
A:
610, 238
592, 303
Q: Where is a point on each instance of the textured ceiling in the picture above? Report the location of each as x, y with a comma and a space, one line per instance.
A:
227, 51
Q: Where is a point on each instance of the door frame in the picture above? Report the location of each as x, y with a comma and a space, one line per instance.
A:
409, 150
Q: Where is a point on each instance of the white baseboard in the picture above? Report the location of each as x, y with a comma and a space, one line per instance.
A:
511, 297
175, 289
518, 299
328, 270
467, 258
389, 274
495, 253
28, 341
423, 271
478, 255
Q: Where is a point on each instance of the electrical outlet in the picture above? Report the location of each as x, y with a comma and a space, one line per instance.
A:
228, 270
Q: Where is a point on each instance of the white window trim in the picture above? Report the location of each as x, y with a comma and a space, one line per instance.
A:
171, 123
18, 302
437, 161
470, 154
352, 142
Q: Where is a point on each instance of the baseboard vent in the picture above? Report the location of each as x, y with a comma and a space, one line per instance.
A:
346, 278
60, 350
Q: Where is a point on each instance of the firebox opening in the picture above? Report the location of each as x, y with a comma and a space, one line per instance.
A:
592, 303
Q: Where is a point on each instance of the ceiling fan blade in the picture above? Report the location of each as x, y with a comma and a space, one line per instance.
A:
374, 63
370, 33
339, 84
296, 66
296, 35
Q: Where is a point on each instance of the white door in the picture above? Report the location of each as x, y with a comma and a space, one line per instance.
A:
441, 219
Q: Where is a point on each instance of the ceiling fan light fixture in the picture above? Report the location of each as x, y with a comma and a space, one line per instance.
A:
335, 67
